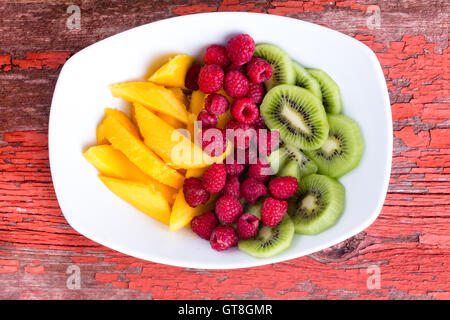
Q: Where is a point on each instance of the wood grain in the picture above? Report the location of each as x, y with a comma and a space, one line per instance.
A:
409, 241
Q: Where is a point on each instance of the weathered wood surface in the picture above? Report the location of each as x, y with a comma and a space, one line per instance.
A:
409, 242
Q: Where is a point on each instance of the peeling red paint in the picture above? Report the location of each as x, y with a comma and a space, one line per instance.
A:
38, 60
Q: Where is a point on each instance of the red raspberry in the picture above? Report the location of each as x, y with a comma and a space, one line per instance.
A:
260, 170
259, 70
245, 111
267, 141
240, 49
255, 92
283, 188
228, 209
235, 84
191, 80
214, 178
194, 193
273, 211
252, 190
216, 104
234, 169
210, 78
208, 120
247, 226
241, 134
246, 156
232, 67
213, 141
216, 54
259, 123
232, 187
204, 225
223, 238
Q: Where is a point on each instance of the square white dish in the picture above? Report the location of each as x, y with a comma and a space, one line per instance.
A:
82, 93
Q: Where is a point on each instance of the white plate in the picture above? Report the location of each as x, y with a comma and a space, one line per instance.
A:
82, 93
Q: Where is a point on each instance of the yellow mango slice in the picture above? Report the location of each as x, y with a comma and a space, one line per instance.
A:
142, 196
176, 150
101, 139
182, 213
124, 120
139, 154
178, 92
113, 163
171, 121
173, 73
152, 96
197, 102
195, 173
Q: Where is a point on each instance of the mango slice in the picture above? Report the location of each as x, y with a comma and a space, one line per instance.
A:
177, 150
139, 154
197, 102
178, 92
195, 173
142, 196
101, 139
113, 163
152, 96
173, 73
171, 121
182, 213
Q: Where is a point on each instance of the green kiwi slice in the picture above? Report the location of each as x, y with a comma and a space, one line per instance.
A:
291, 169
297, 114
255, 209
283, 156
331, 94
282, 71
269, 241
305, 80
317, 205
342, 150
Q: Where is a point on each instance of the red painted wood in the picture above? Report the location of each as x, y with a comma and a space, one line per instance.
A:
409, 241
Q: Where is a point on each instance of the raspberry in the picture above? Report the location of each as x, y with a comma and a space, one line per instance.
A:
259, 123
216, 54
259, 70
252, 190
241, 134
194, 193
208, 120
260, 171
246, 156
190, 82
232, 67
228, 209
240, 49
210, 78
214, 141
244, 110
235, 84
273, 211
283, 188
214, 178
255, 92
234, 169
223, 238
247, 226
232, 187
216, 104
267, 141
204, 225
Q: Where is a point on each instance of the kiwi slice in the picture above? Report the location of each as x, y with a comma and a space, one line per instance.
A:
291, 169
255, 209
305, 80
342, 150
280, 158
270, 241
297, 114
282, 71
317, 205
331, 94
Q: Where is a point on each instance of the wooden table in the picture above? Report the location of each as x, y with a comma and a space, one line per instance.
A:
408, 246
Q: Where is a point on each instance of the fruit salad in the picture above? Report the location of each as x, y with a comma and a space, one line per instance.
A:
243, 147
